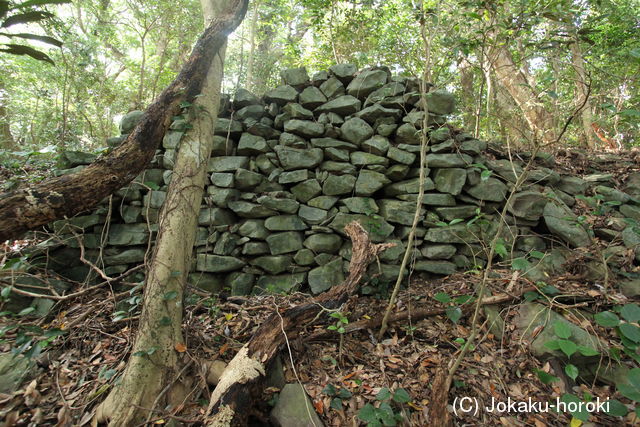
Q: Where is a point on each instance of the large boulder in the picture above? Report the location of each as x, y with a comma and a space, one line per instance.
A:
562, 222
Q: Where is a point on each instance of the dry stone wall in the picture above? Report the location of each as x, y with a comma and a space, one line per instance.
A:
288, 171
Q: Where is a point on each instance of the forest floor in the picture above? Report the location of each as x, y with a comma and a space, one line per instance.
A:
79, 368
340, 372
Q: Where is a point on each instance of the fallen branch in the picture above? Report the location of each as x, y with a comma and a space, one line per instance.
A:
415, 315
231, 398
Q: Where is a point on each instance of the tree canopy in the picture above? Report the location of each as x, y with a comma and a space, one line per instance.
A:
118, 55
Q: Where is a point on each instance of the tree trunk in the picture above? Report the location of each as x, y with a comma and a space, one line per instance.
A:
252, 46
229, 404
7, 141
65, 196
582, 92
153, 380
513, 79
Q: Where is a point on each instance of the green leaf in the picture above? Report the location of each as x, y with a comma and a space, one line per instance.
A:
170, 295
330, 390
17, 49
401, 396
23, 18
549, 290
536, 254
500, 249
454, 314
631, 389
629, 113
561, 329
26, 311
630, 331
386, 415
152, 185
545, 377
332, 327
615, 408
6, 291
30, 3
552, 345
343, 393
567, 347
455, 221
635, 52
463, 299
607, 319
485, 175
582, 414
367, 413
571, 371
442, 297
43, 39
55, 332
336, 403
587, 351
383, 394
630, 313
520, 264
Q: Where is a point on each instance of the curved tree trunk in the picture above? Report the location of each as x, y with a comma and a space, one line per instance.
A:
152, 377
32, 207
515, 81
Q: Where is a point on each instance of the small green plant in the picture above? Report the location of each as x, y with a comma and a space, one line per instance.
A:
453, 312
30, 340
341, 321
598, 204
627, 330
388, 412
338, 326
568, 347
450, 223
337, 394
134, 302
485, 173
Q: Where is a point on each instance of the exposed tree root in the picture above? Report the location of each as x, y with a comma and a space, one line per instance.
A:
231, 398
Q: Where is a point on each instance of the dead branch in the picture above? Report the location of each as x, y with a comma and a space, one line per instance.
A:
231, 398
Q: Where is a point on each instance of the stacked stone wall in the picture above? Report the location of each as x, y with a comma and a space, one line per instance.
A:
288, 171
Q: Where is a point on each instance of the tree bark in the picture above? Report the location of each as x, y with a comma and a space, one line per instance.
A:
229, 403
6, 138
65, 196
514, 80
582, 92
153, 380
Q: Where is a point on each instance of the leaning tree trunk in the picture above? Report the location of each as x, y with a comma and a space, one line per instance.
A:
513, 79
32, 207
152, 377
